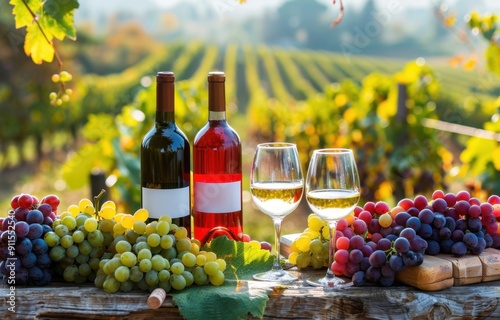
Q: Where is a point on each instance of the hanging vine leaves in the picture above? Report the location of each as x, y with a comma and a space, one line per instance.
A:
44, 21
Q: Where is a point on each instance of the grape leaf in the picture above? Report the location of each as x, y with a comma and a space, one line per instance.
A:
212, 302
23, 16
36, 46
58, 18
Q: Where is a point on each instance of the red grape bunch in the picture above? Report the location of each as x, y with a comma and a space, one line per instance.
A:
24, 257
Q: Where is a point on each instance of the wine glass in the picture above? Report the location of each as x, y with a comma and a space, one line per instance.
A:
276, 185
332, 192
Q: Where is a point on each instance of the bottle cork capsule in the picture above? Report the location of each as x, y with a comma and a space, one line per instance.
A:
156, 298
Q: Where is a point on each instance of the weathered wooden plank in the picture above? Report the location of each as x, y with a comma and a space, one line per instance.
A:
294, 301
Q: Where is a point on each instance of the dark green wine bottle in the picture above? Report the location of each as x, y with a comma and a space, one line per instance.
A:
165, 161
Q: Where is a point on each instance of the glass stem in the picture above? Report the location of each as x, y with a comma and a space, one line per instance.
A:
277, 246
331, 252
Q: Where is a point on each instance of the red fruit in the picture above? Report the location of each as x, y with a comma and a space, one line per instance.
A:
35, 200
463, 195
496, 211
475, 201
450, 199
25, 201
486, 208
420, 202
474, 211
342, 224
494, 199
357, 210
53, 200
366, 216
14, 203
265, 246
381, 207
437, 194
369, 206
406, 203
245, 238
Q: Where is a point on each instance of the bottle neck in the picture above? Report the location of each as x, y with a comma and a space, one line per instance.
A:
216, 115
165, 107
165, 117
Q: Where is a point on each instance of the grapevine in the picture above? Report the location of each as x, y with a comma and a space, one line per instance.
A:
44, 21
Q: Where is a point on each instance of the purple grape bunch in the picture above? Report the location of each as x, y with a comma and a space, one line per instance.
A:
383, 241
24, 254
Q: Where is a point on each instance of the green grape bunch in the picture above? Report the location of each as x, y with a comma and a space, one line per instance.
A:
64, 93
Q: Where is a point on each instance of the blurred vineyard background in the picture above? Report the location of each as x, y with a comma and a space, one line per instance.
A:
289, 77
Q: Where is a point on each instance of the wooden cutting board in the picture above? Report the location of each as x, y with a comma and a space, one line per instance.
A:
441, 271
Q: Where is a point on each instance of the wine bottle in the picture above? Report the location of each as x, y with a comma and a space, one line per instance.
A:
217, 207
165, 161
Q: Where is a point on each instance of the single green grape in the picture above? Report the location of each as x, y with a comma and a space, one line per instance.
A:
151, 278
72, 251
51, 238
52, 96
55, 78
111, 285
61, 230
162, 228
84, 269
217, 279
95, 238
122, 273
154, 240
188, 276
78, 236
188, 259
211, 268
70, 273
85, 247
201, 260
90, 224
145, 265
57, 253
123, 246
65, 76
177, 281
199, 276
136, 274
158, 262
183, 244
181, 233
128, 259
316, 246
144, 254
163, 275
177, 268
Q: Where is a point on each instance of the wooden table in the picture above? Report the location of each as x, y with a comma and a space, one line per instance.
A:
295, 301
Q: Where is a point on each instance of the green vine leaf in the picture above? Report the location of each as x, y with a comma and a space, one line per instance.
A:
37, 46
22, 15
243, 261
58, 18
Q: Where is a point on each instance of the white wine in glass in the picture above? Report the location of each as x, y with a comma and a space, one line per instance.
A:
332, 192
276, 185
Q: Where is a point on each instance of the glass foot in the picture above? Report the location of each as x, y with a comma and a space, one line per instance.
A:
328, 282
275, 276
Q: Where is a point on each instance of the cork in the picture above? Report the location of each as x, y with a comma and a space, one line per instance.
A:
156, 298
